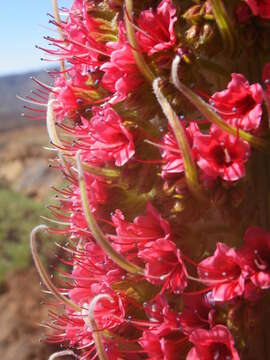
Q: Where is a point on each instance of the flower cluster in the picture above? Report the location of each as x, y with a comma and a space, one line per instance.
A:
159, 116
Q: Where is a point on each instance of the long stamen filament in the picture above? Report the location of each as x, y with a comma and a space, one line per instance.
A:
60, 30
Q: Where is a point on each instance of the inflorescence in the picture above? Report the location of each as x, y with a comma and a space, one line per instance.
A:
159, 119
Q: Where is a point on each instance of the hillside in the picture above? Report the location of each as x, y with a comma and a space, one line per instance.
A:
11, 107
25, 181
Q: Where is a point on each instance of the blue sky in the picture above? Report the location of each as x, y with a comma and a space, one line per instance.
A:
21, 29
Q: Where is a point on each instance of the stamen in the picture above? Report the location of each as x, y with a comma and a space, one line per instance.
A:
59, 28
163, 147
33, 102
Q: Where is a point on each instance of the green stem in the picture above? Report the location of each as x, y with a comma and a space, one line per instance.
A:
224, 24
43, 273
131, 35
95, 331
182, 141
96, 231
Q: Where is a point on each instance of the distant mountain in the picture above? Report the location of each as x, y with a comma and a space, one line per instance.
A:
11, 107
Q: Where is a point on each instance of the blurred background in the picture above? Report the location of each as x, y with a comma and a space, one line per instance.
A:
25, 179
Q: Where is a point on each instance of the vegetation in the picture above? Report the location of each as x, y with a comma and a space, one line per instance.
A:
18, 215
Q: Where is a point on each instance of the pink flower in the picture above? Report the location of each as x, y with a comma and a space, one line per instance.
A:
160, 348
164, 265
198, 313
255, 255
260, 8
223, 273
156, 31
221, 155
213, 344
73, 329
83, 37
121, 74
171, 154
240, 104
66, 104
91, 270
164, 337
132, 237
109, 139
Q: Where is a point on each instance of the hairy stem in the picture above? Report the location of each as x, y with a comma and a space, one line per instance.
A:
96, 231
211, 115
141, 63
182, 141
95, 331
224, 24
43, 273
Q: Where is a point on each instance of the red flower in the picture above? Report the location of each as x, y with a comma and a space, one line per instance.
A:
240, 104
260, 8
66, 101
91, 269
164, 265
255, 255
109, 139
145, 228
164, 338
109, 312
171, 153
121, 74
221, 155
197, 313
159, 348
223, 273
213, 344
157, 28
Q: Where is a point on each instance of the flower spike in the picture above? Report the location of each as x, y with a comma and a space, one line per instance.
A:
95, 229
42, 272
175, 124
210, 114
161, 185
